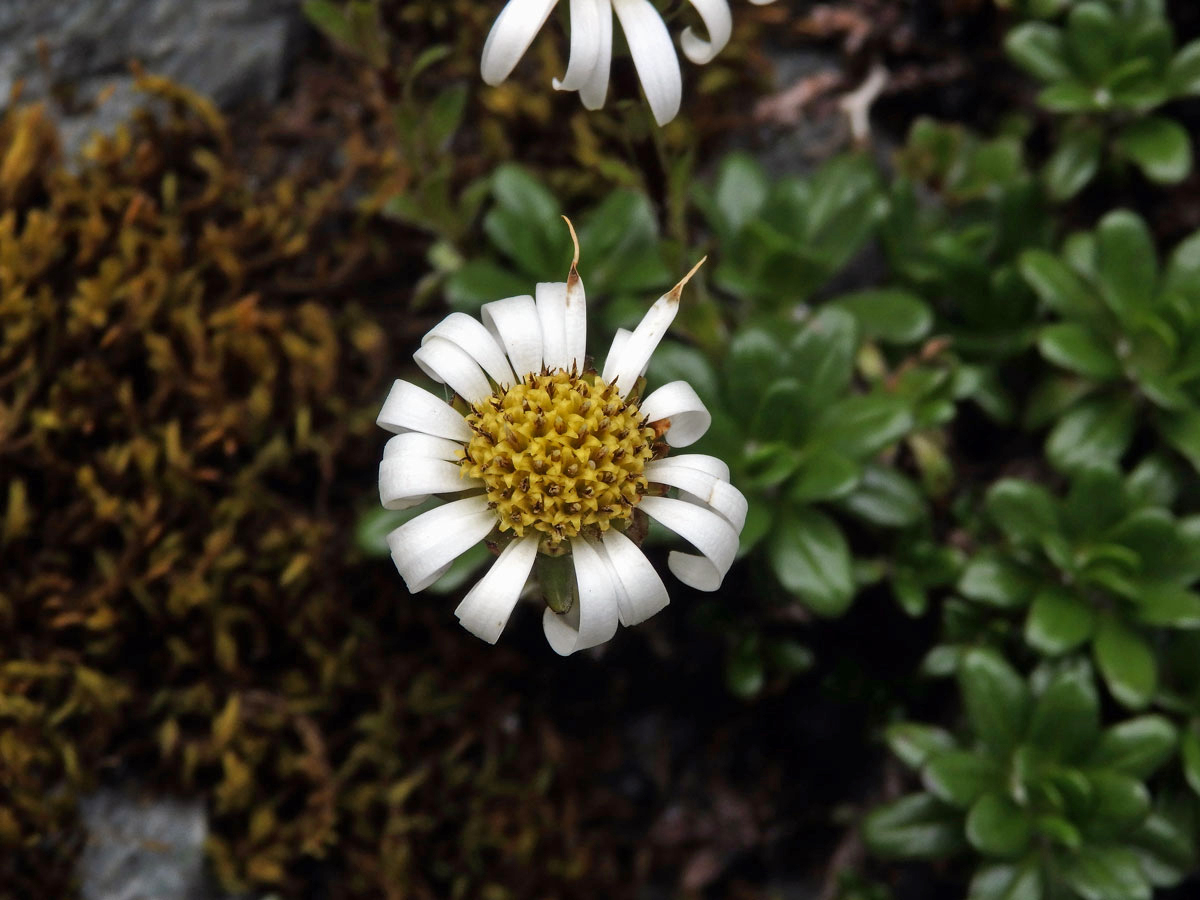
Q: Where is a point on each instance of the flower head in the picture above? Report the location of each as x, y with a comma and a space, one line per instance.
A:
591, 46
556, 466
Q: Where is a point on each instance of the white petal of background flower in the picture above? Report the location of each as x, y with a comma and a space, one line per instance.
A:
424, 546
514, 323
705, 530
653, 56
485, 610
678, 402
585, 43
470, 336
511, 35
405, 481
593, 619
552, 313
718, 22
641, 592
410, 408
450, 364
595, 88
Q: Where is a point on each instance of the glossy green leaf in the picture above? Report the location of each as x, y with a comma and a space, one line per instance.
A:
996, 698
1096, 432
1119, 803
885, 497
811, 559
1092, 38
960, 777
1136, 747
1159, 146
824, 475
1059, 620
1182, 431
1127, 262
1066, 716
914, 743
1003, 881
1023, 510
991, 577
1079, 349
1058, 286
741, 191
1183, 76
863, 424
1126, 662
1039, 49
892, 315
822, 353
1074, 163
1189, 749
1098, 872
918, 826
998, 827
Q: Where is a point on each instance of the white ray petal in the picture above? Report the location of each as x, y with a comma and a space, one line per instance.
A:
678, 402
477, 342
705, 530
552, 313
485, 610
593, 618
716, 492
593, 91
575, 322
641, 592
653, 56
705, 463
405, 481
585, 44
448, 363
718, 22
422, 547
423, 446
511, 35
514, 323
410, 408
625, 367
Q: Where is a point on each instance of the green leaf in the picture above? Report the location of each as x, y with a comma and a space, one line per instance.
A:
960, 777
1003, 881
1024, 511
1182, 431
811, 559
892, 315
996, 698
1079, 349
886, 497
480, 281
998, 827
1126, 662
914, 743
1058, 286
823, 475
991, 577
1066, 716
822, 353
1058, 621
673, 361
1098, 872
1039, 49
1094, 504
918, 826
1160, 147
1167, 605
1119, 802
1136, 747
752, 363
741, 191
1096, 432
745, 673
1068, 97
1128, 266
1183, 76
1073, 163
1093, 35
1189, 749
1165, 849
863, 424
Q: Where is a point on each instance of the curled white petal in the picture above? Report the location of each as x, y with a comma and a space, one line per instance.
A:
511, 35
515, 324
485, 610
410, 408
718, 22
477, 342
424, 546
592, 620
552, 313
705, 530
678, 402
405, 481
640, 591
450, 364
575, 323
708, 488
626, 366
595, 87
423, 446
653, 56
585, 43
705, 463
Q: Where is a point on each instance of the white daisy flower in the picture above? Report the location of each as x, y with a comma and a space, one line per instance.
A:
591, 46
555, 463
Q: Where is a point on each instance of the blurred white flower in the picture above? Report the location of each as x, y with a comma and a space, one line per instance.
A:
552, 460
591, 46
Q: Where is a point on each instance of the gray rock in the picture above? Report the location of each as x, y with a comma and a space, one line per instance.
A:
142, 848
231, 50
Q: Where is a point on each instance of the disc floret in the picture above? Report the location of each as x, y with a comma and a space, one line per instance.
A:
559, 453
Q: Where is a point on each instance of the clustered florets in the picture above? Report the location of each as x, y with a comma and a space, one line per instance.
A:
559, 453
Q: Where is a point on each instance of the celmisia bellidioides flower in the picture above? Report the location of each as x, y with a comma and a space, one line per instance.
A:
591, 46
554, 465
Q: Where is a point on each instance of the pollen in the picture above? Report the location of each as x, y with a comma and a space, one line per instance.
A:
559, 453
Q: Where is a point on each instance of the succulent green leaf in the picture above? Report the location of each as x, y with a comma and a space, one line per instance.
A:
1004, 881
918, 826
991, 577
1023, 510
914, 743
824, 474
1126, 662
996, 698
998, 827
886, 497
1096, 432
1079, 349
1040, 50
892, 315
1058, 286
1059, 620
1159, 146
810, 557
1099, 872
960, 777
1066, 716
1183, 75
1136, 747
1074, 162
1128, 266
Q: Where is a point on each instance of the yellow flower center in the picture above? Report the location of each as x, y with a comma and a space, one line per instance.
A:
559, 453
